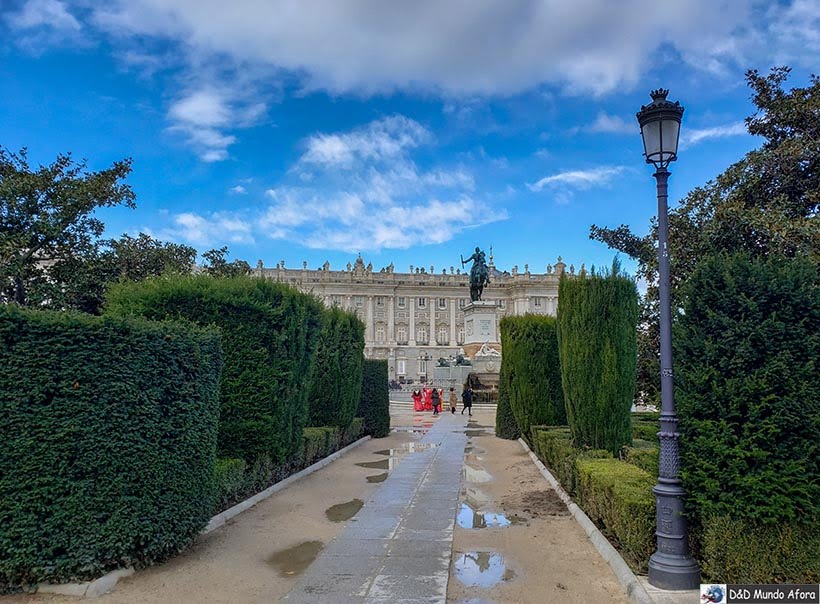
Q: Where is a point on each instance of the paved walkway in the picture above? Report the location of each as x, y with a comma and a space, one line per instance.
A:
397, 548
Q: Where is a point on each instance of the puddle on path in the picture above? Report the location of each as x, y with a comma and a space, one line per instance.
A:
476, 497
393, 456
470, 517
407, 448
378, 477
383, 464
480, 569
344, 511
294, 560
473, 474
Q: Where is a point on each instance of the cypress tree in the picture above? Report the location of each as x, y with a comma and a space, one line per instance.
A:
597, 322
530, 353
505, 424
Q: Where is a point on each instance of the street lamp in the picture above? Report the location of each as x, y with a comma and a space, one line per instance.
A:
671, 566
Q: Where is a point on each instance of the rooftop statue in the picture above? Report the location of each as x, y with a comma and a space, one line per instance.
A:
479, 274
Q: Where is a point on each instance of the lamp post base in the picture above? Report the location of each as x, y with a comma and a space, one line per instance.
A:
676, 573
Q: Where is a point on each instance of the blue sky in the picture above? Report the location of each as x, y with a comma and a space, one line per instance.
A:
409, 132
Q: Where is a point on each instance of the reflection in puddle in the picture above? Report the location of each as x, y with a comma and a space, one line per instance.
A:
377, 477
407, 448
294, 560
384, 464
480, 569
476, 497
344, 511
470, 518
473, 474
393, 457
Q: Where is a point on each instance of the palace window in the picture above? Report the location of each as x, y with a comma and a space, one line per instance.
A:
503, 303
422, 302
460, 337
462, 302
443, 338
337, 300
379, 300
359, 300
422, 335
401, 366
380, 333
402, 301
537, 302
401, 335
422, 367
442, 302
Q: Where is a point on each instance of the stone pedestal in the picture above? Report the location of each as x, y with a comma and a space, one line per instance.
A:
481, 323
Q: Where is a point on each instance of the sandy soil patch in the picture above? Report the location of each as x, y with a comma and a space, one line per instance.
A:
526, 547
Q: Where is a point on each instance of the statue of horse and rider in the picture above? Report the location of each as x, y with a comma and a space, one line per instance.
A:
479, 274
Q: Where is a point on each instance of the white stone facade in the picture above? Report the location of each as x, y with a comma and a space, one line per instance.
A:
412, 319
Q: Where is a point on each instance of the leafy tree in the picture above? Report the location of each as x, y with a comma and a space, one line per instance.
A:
47, 225
766, 203
217, 266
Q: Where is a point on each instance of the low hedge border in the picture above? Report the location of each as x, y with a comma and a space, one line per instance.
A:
618, 496
644, 457
554, 446
235, 480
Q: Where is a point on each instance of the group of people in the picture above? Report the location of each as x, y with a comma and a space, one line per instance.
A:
430, 399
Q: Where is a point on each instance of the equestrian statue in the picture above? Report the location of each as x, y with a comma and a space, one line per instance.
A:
479, 274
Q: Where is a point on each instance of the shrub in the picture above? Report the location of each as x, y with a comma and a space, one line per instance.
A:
597, 322
530, 364
374, 401
109, 438
748, 390
559, 455
645, 431
353, 432
738, 551
269, 333
643, 457
335, 387
229, 481
505, 424
618, 496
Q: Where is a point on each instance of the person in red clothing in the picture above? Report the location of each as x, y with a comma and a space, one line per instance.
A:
417, 404
428, 398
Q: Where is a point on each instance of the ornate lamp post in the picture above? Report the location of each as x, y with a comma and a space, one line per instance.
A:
671, 566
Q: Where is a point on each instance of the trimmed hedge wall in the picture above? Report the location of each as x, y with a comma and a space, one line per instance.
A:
737, 551
109, 433
269, 333
505, 424
748, 390
374, 402
335, 386
619, 497
534, 375
597, 323
554, 447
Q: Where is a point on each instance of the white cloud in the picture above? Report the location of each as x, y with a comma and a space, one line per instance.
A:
212, 230
48, 13
478, 48
382, 140
612, 123
238, 190
691, 137
579, 179
203, 115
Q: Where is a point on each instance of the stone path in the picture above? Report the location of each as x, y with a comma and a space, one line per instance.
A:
397, 548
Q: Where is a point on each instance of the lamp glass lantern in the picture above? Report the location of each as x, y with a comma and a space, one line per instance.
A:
660, 129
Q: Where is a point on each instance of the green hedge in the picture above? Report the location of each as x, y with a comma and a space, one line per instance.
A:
229, 482
737, 551
557, 452
353, 432
335, 387
597, 323
618, 496
108, 429
374, 401
645, 458
269, 334
533, 374
505, 424
748, 390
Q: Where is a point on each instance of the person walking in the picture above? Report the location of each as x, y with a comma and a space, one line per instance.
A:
453, 400
436, 399
467, 400
428, 398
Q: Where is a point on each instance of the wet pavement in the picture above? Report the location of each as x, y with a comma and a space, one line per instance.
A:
398, 547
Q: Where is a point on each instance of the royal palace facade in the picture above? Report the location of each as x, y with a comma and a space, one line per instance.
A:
412, 319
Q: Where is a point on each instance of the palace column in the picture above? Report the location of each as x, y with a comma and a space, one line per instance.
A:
369, 336
433, 303
391, 322
412, 334
453, 304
